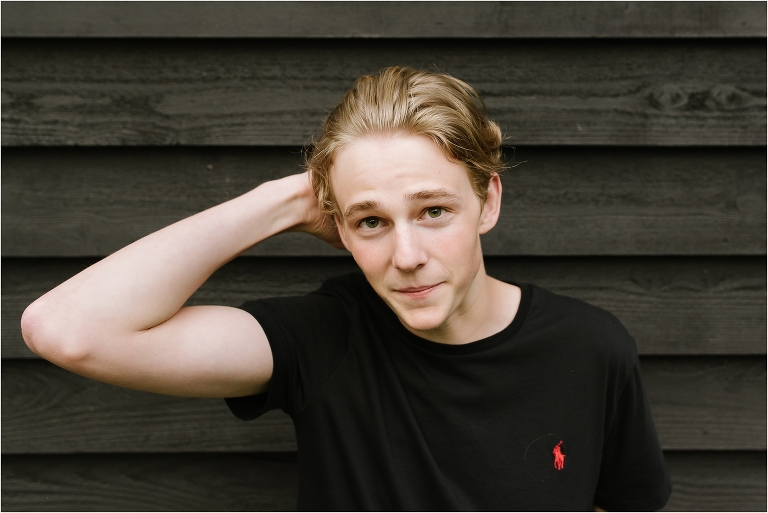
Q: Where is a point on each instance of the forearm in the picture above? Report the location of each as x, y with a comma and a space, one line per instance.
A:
145, 283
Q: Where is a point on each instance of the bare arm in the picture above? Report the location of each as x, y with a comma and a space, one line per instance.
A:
121, 320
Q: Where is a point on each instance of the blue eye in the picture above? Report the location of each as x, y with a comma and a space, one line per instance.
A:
435, 212
371, 222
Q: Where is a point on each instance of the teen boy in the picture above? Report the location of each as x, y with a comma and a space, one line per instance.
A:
422, 383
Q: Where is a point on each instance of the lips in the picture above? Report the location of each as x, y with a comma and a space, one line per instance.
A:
417, 292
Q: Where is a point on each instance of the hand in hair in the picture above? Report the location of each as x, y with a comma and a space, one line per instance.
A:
315, 222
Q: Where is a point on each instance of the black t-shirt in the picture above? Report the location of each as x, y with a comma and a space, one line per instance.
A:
548, 414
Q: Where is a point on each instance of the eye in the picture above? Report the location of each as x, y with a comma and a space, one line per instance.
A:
371, 222
435, 212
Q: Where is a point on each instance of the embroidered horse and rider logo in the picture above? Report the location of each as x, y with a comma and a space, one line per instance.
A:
544, 457
559, 456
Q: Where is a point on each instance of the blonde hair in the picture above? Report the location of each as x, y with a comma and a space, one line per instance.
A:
404, 100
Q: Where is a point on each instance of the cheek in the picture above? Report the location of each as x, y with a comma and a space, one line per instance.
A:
372, 258
458, 246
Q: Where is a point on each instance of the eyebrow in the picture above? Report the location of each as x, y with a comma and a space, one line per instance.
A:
430, 194
361, 206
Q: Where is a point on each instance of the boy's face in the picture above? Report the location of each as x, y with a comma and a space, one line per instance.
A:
412, 222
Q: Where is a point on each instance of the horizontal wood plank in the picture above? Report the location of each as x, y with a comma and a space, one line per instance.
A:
697, 403
150, 482
384, 19
670, 305
70, 414
277, 92
717, 481
689, 397
702, 481
557, 201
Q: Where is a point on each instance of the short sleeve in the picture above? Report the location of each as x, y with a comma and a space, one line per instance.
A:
633, 474
307, 335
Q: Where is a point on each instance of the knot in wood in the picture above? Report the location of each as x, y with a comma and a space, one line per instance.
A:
668, 97
726, 97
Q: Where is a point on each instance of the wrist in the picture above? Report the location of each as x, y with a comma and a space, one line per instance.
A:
292, 201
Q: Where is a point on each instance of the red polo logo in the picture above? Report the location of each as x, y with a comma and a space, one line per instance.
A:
539, 454
559, 456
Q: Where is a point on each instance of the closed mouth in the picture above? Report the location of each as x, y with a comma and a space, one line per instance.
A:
417, 292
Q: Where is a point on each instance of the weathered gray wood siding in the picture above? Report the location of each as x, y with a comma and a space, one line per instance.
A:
640, 129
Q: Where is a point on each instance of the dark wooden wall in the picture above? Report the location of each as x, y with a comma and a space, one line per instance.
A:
640, 129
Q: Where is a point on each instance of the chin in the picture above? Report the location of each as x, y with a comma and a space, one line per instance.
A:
422, 319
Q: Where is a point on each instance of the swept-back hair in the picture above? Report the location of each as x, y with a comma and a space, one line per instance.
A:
401, 100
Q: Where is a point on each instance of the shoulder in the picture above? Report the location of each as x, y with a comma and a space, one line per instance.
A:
351, 284
582, 325
316, 311
331, 293
349, 291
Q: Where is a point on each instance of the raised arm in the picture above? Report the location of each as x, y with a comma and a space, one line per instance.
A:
121, 320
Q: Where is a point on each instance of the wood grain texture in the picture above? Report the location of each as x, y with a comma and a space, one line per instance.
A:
717, 481
690, 396
384, 19
150, 482
277, 92
68, 413
702, 481
557, 201
670, 305
714, 403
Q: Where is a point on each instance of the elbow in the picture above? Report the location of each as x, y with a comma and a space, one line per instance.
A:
31, 327
49, 341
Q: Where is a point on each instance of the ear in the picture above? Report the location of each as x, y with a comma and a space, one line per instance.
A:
492, 206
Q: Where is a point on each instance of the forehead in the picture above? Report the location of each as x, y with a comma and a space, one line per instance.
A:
390, 168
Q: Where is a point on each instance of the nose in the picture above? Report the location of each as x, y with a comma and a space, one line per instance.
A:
409, 253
